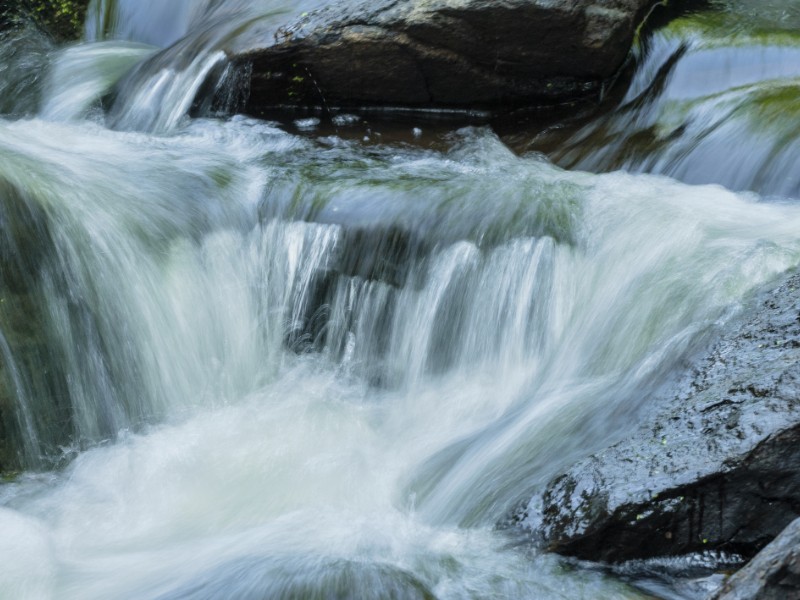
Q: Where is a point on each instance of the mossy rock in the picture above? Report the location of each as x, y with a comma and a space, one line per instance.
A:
726, 23
62, 19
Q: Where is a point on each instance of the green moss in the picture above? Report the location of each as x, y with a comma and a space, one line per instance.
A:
768, 108
62, 19
222, 177
777, 105
9, 477
740, 23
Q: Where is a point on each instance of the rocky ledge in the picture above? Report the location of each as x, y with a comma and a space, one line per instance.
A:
448, 55
717, 469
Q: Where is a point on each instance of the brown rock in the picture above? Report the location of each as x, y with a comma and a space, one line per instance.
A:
452, 55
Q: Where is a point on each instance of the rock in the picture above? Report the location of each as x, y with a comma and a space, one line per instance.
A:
30, 376
461, 55
61, 19
254, 577
25, 54
774, 574
716, 469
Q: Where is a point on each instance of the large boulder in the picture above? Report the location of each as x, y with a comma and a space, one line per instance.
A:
718, 468
461, 55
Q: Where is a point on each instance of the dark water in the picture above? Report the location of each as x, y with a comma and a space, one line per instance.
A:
250, 360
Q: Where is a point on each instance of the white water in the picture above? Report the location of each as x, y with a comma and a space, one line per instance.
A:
196, 36
147, 21
305, 368
80, 75
270, 468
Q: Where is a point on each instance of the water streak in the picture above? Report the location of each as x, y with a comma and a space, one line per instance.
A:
240, 362
400, 411
713, 102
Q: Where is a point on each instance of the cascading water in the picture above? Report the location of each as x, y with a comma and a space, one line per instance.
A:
235, 362
722, 83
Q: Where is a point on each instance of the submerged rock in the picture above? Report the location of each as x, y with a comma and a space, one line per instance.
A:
773, 574
461, 55
717, 469
254, 577
30, 377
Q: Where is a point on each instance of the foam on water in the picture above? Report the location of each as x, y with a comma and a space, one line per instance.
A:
244, 363
422, 404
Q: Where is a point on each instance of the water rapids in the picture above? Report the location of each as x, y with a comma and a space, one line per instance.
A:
242, 361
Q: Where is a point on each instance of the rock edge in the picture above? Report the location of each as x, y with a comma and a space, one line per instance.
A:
717, 469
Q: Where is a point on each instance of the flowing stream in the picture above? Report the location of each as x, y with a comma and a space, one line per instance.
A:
242, 361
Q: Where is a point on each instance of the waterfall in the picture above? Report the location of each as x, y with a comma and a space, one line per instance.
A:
723, 84
239, 361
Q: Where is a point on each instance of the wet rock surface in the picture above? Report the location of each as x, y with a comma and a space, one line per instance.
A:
61, 19
462, 55
774, 574
717, 469
28, 360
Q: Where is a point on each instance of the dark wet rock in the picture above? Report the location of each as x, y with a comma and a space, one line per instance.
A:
442, 54
774, 574
29, 373
717, 469
61, 19
17, 228
24, 57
